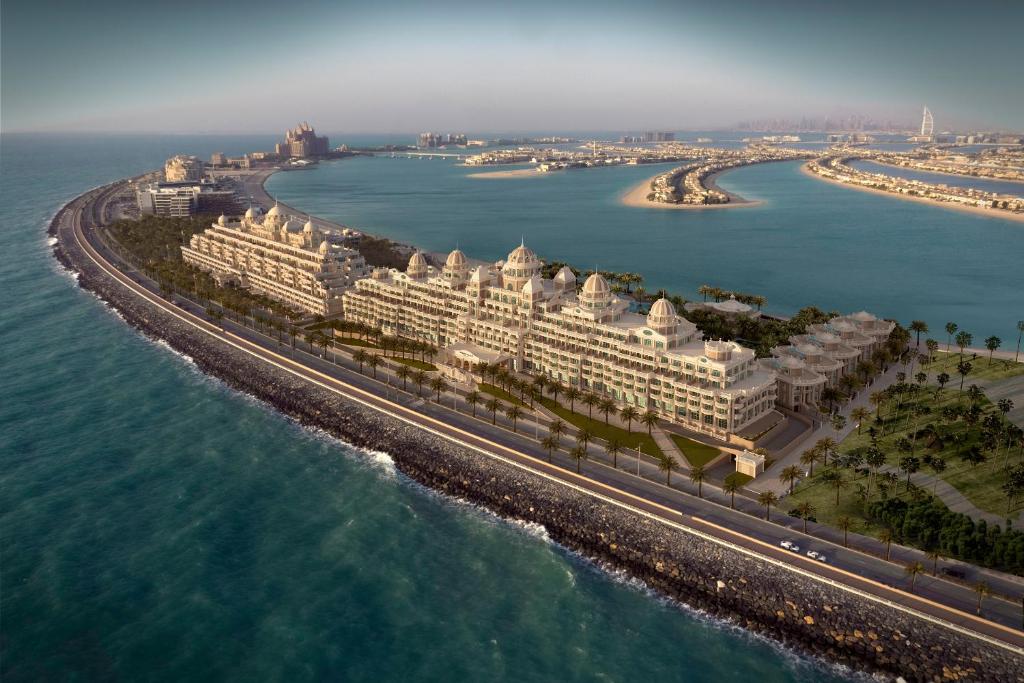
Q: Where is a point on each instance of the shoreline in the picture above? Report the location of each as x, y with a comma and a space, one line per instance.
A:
765, 597
964, 176
976, 210
636, 197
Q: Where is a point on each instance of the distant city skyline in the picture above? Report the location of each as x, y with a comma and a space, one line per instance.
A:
259, 68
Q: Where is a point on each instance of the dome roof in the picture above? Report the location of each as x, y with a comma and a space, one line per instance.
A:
596, 286
662, 313
565, 275
863, 317
292, 225
456, 259
308, 228
732, 305
252, 212
417, 261
534, 286
222, 220
521, 255
324, 247
791, 362
275, 210
826, 338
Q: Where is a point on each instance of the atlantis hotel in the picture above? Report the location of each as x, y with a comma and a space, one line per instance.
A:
508, 313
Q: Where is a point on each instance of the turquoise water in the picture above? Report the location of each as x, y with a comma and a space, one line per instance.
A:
155, 525
808, 242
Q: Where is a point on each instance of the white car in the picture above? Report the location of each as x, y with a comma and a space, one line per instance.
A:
789, 545
815, 555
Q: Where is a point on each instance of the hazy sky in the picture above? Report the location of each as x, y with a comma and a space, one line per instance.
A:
226, 66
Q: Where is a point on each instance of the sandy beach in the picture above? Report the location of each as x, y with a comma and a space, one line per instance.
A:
976, 210
637, 197
515, 173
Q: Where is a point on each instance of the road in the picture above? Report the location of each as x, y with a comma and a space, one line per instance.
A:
935, 599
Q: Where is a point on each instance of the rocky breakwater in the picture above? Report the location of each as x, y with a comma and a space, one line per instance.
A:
801, 612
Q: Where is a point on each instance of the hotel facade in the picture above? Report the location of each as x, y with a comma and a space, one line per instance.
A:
280, 257
508, 313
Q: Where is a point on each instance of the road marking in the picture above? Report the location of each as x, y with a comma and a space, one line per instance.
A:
220, 335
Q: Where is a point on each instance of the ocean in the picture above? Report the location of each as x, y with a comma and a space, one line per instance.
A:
157, 525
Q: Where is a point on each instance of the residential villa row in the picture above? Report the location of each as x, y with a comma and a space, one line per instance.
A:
506, 313
837, 168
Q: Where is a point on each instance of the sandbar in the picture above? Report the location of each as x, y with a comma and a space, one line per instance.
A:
516, 173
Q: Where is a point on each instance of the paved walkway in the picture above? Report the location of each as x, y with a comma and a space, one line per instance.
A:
948, 494
769, 481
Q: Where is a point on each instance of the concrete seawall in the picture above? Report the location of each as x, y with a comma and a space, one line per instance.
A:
805, 614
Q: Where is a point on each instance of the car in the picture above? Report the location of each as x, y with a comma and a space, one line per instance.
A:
822, 558
813, 554
788, 545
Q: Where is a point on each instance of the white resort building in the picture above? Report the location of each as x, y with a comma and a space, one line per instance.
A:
508, 313
819, 358
280, 257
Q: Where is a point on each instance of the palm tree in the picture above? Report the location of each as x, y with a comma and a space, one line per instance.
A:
731, 486
697, 476
983, 591
438, 385
579, 454
805, 510
555, 388
886, 536
877, 398
918, 326
826, 446
493, 405
572, 394
550, 443
404, 373
607, 406
629, 413
951, 329
513, 412
374, 362
667, 464
591, 400
963, 368
767, 499
912, 570
790, 475
473, 398
934, 555
963, 340
649, 419
420, 377
613, 448
809, 457
835, 479
360, 357
556, 428
845, 523
992, 343
860, 414
584, 436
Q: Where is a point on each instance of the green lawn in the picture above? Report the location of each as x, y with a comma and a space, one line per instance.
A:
739, 478
981, 484
413, 363
500, 393
696, 453
604, 431
823, 497
981, 367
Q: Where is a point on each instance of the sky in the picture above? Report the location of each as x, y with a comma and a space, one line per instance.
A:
259, 67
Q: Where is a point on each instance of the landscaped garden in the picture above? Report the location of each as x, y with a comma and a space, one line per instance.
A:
696, 453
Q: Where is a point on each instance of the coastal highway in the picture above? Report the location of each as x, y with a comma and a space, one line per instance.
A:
941, 601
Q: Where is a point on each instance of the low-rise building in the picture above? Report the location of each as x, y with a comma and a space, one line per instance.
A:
280, 257
183, 169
